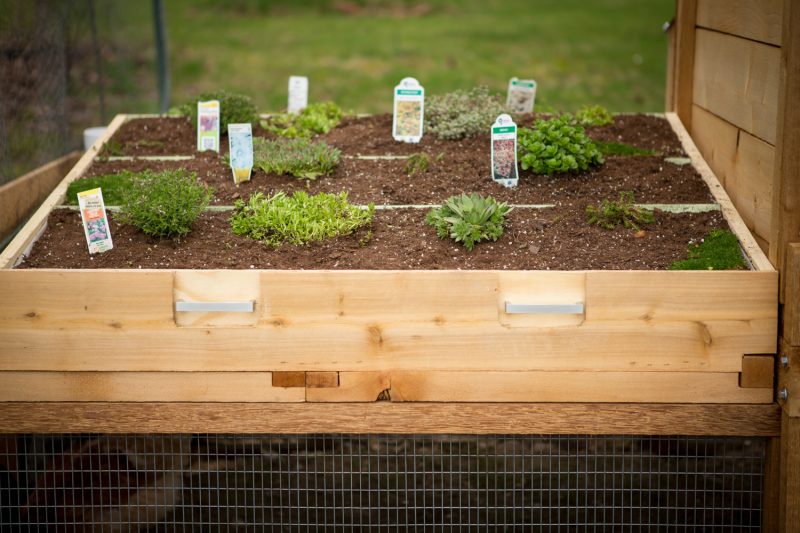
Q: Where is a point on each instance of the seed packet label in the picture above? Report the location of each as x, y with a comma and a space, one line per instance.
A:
240, 142
521, 95
95, 221
504, 151
409, 102
298, 93
208, 126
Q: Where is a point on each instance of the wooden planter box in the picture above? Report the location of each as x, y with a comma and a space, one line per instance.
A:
402, 336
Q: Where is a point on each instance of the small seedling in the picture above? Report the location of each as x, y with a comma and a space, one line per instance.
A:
469, 219
556, 145
316, 119
462, 113
113, 186
113, 148
417, 164
595, 115
297, 157
719, 250
611, 214
234, 108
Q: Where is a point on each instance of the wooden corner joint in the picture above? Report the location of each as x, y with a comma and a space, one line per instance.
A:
788, 389
758, 371
314, 380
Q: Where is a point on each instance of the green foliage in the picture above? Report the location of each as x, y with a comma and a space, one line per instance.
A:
112, 148
469, 219
719, 250
594, 115
612, 148
297, 157
462, 113
113, 186
298, 219
417, 164
316, 119
233, 109
556, 145
164, 204
611, 214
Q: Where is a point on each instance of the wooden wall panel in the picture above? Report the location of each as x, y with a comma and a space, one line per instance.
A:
759, 20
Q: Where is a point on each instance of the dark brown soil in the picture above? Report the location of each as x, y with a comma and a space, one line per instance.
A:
534, 240
642, 131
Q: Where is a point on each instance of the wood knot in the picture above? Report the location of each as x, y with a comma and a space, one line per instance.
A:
384, 396
375, 335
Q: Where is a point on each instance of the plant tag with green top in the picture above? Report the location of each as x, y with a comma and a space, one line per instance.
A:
409, 101
504, 151
95, 221
208, 126
240, 142
298, 93
521, 95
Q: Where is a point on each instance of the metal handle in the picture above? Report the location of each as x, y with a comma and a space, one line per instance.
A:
544, 309
215, 307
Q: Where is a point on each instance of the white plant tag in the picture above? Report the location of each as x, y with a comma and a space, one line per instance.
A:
298, 93
504, 151
409, 102
521, 95
208, 126
95, 221
240, 142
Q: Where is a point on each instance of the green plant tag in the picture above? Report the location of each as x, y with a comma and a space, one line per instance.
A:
521, 95
95, 221
208, 126
409, 101
504, 151
240, 142
298, 93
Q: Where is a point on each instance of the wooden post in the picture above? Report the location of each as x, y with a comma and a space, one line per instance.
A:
790, 474
683, 73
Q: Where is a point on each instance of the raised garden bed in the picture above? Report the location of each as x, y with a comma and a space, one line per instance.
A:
555, 310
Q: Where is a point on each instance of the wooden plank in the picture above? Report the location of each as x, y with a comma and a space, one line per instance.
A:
322, 380
758, 371
734, 219
737, 80
669, 93
390, 417
717, 141
30, 232
791, 309
353, 387
216, 286
759, 20
685, 19
770, 510
790, 474
629, 387
144, 387
289, 379
20, 196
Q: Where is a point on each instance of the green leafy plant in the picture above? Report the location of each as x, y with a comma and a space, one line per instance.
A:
297, 157
233, 109
316, 119
624, 212
298, 219
556, 145
113, 186
462, 113
469, 219
595, 115
719, 250
164, 204
417, 164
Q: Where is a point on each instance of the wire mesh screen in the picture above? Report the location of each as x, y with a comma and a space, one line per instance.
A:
380, 483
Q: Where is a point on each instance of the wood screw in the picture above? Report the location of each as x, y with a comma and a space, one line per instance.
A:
784, 361
783, 394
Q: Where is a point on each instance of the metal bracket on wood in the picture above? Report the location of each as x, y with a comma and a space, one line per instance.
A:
544, 309
247, 306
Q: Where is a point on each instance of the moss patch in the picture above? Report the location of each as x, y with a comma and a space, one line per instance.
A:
718, 251
607, 148
113, 186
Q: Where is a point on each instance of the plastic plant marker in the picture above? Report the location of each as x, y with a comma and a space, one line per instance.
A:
208, 126
409, 105
240, 142
298, 93
521, 95
95, 221
504, 151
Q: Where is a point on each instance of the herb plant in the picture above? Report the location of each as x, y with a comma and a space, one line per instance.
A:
719, 250
164, 204
417, 164
469, 219
556, 145
297, 157
298, 219
233, 109
113, 186
316, 119
624, 212
595, 115
462, 113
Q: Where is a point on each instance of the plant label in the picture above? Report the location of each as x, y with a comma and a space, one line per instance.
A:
521, 95
504, 151
208, 126
409, 101
95, 221
298, 93
240, 142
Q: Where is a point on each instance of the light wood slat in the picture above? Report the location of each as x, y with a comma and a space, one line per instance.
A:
144, 387
389, 417
737, 80
759, 20
717, 140
685, 35
217, 286
353, 387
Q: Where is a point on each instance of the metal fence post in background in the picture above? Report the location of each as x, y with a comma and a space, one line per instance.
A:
161, 56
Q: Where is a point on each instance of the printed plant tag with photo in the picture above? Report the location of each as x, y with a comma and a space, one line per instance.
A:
521, 95
298, 93
95, 221
504, 151
240, 142
208, 126
409, 102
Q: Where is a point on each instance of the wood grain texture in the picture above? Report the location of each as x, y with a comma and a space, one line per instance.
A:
717, 140
353, 387
289, 379
789, 378
759, 20
737, 80
322, 380
758, 371
685, 20
216, 286
791, 308
389, 417
789, 520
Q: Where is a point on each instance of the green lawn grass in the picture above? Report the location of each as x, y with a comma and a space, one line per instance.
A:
608, 52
